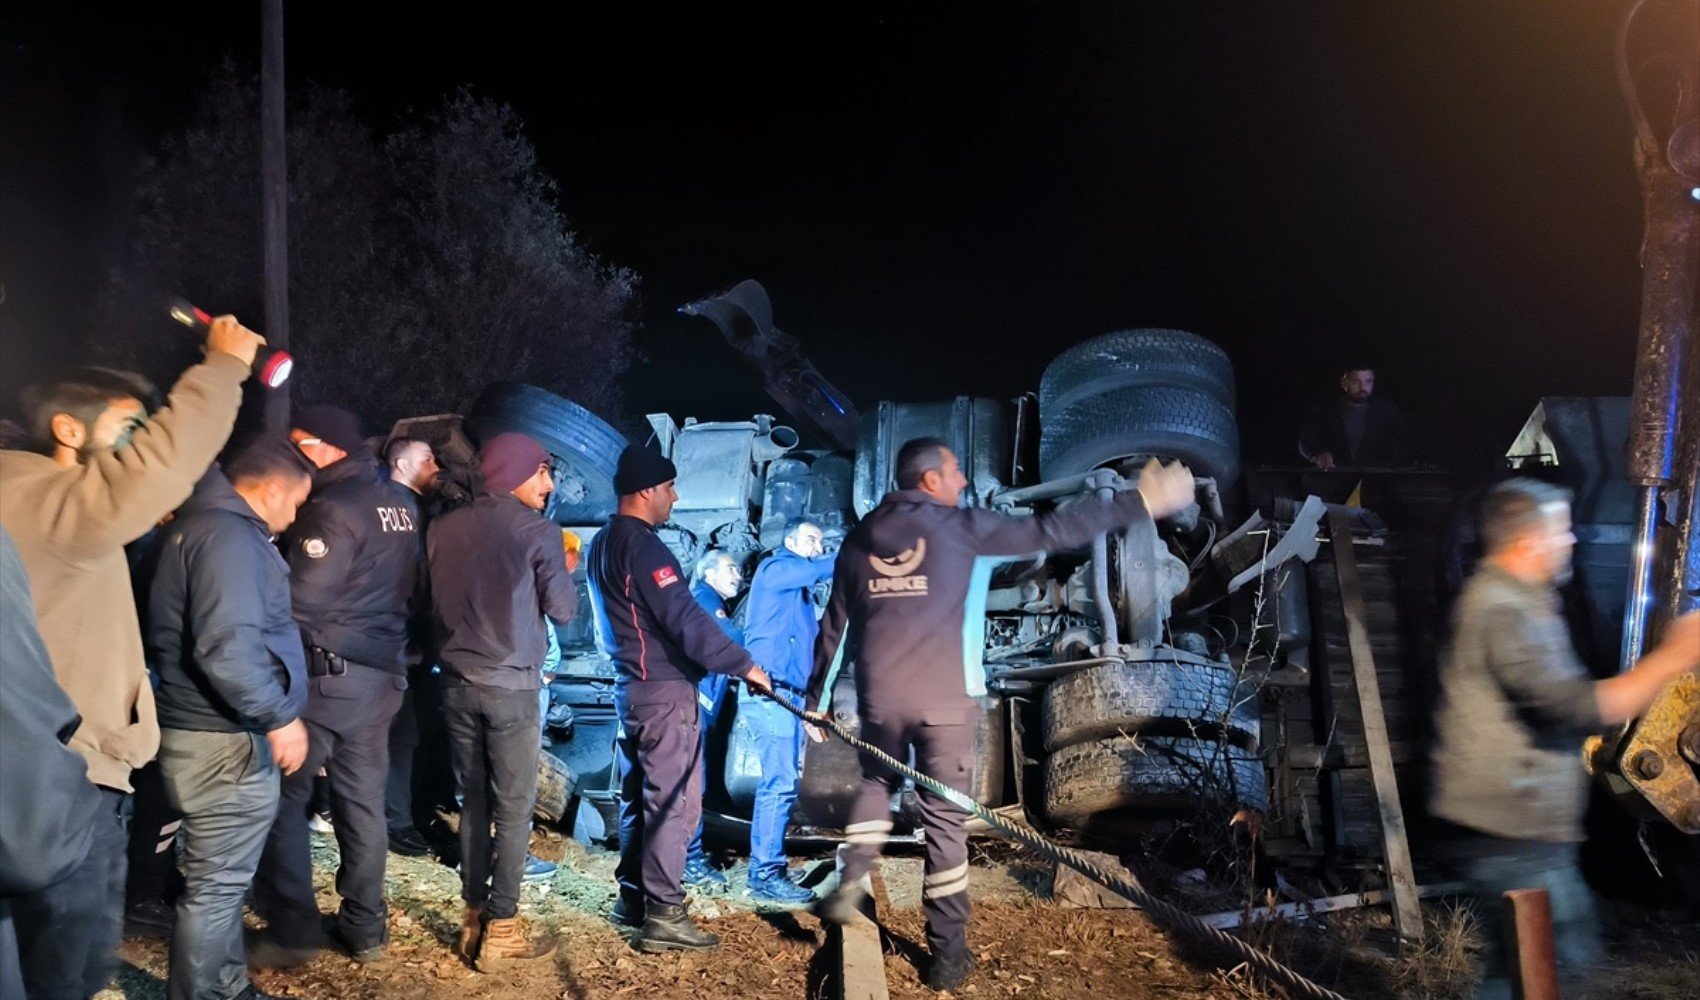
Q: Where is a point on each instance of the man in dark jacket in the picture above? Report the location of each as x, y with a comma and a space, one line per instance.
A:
716, 581
354, 561
662, 643
232, 686
1355, 428
901, 586
49, 815
413, 473
497, 569
780, 629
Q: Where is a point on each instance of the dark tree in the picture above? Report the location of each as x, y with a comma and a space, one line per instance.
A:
422, 264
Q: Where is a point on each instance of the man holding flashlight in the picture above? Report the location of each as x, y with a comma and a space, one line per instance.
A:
102, 475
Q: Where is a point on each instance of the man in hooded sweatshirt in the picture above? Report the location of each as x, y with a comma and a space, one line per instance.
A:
496, 571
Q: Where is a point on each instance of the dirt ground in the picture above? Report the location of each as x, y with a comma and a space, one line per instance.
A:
1027, 946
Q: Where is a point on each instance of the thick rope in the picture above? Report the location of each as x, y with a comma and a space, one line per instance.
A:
1176, 919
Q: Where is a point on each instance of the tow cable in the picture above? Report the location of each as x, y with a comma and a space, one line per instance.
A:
1175, 919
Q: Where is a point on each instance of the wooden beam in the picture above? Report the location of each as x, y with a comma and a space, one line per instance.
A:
1305, 908
1396, 848
861, 960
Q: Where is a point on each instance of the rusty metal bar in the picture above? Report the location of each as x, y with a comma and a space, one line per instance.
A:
1529, 946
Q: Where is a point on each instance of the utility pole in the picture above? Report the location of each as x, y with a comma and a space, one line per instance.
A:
274, 194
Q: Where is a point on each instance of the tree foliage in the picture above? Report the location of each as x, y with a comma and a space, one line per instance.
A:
423, 263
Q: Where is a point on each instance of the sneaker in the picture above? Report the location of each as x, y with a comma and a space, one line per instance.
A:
777, 889
537, 870
948, 971
320, 823
152, 917
699, 874
409, 843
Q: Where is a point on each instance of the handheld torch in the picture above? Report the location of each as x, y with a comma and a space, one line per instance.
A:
271, 367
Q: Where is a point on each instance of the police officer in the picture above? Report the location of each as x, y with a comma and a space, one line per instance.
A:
354, 563
662, 643
780, 625
901, 586
716, 581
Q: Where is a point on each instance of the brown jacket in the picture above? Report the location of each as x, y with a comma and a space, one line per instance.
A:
71, 525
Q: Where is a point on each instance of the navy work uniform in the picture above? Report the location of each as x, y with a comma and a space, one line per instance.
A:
901, 586
662, 643
710, 691
354, 564
780, 631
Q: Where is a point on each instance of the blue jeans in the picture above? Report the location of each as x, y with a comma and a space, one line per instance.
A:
780, 738
68, 933
226, 787
1495, 867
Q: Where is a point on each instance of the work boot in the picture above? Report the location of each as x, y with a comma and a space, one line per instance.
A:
471, 929
699, 874
505, 944
777, 889
363, 954
150, 917
670, 928
841, 905
409, 843
267, 952
627, 911
949, 970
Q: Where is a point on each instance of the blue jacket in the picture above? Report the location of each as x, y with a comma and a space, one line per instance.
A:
220, 628
780, 626
711, 688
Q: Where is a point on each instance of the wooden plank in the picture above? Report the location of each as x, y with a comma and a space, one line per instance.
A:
1300, 910
1396, 848
861, 960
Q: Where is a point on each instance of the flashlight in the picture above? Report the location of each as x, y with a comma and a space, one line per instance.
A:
271, 367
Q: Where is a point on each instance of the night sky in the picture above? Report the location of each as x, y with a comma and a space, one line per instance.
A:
941, 197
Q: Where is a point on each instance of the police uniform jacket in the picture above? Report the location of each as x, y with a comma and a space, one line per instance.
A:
661, 640
780, 624
354, 562
497, 569
900, 592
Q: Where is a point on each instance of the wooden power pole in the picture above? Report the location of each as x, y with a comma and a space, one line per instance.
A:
274, 187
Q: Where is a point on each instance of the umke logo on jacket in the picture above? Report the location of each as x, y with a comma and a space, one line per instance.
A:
897, 576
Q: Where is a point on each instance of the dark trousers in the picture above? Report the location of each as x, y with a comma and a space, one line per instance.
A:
404, 747
660, 794
947, 753
153, 838
348, 731
225, 785
493, 738
68, 933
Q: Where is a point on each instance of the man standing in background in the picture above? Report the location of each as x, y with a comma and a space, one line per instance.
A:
716, 581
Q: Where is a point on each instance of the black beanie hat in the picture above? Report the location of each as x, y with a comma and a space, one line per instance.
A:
331, 424
640, 468
509, 459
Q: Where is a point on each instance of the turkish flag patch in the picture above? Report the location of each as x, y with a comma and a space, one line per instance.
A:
665, 577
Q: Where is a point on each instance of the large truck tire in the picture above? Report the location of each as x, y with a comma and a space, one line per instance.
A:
579, 440
1150, 698
1087, 783
555, 786
1137, 358
1186, 425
